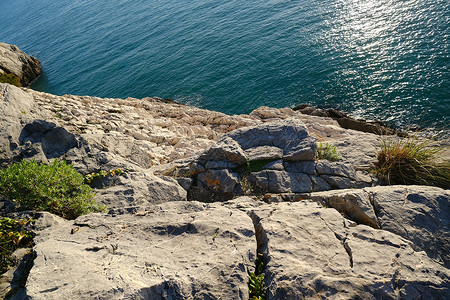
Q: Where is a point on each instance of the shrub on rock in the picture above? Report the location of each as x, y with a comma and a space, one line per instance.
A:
57, 188
10, 78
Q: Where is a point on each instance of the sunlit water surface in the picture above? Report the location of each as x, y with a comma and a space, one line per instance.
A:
381, 59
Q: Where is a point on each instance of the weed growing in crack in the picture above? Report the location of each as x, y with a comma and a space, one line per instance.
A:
89, 178
256, 280
10, 78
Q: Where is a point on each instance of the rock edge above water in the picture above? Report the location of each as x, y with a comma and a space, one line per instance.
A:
14, 61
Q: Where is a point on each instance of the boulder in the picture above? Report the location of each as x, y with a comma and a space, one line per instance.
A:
226, 150
175, 250
276, 157
281, 134
16, 62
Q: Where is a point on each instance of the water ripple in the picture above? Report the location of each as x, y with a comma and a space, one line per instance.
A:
385, 59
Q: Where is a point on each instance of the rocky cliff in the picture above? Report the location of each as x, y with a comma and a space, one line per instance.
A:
204, 195
13, 61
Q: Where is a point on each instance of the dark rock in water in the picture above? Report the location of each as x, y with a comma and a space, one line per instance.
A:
346, 121
14, 61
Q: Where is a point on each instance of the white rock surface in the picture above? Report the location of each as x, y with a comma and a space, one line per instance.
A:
312, 252
177, 250
420, 214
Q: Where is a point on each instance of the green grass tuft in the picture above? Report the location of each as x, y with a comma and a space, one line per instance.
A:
327, 151
57, 188
412, 160
89, 178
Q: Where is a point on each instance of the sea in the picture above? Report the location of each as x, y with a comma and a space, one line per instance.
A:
382, 60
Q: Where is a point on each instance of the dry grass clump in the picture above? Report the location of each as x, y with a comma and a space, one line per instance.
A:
412, 160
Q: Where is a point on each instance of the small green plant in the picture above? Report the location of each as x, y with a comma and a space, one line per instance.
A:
256, 280
258, 165
89, 178
11, 238
412, 160
327, 151
57, 188
10, 78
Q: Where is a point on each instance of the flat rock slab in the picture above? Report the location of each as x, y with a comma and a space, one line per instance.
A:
177, 250
132, 190
420, 214
264, 152
313, 252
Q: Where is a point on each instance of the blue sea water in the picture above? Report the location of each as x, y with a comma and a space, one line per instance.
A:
376, 59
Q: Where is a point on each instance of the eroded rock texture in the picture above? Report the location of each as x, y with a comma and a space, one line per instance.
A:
419, 214
359, 243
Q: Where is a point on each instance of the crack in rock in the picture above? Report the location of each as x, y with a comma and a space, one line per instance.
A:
375, 208
262, 242
342, 240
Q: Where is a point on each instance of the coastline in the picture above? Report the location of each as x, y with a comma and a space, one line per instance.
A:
200, 204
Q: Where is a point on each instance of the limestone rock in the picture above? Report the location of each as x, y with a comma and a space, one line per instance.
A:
419, 214
216, 185
313, 252
335, 168
271, 181
274, 165
14, 104
176, 250
225, 150
11, 282
282, 134
54, 141
303, 150
346, 121
263, 153
277, 157
307, 167
14, 61
134, 190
